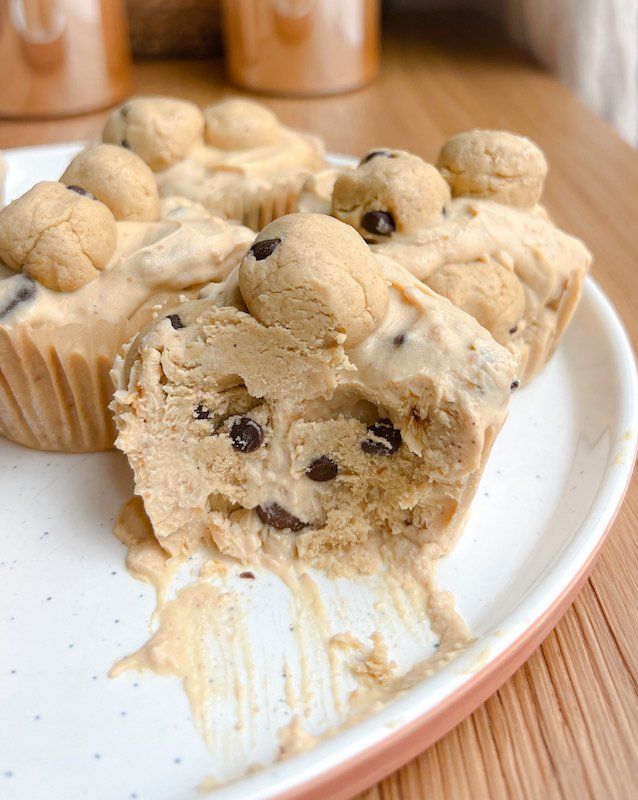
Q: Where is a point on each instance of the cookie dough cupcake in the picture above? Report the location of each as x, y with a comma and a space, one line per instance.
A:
473, 231
235, 157
84, 265
338, 400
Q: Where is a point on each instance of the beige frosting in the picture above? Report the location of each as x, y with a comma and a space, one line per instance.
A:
407, 415
495, 165
118, 178
161, 130
316, 192
148, 260
333, 292
226, 163
3, 177
514, 270
503, 262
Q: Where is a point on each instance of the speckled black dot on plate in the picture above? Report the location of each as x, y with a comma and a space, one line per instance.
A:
379, 222
277, 516
175, 321
264, 248
81, 190
246, 435
322, 469
387, 439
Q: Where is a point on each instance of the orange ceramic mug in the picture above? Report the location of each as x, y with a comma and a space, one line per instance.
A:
62, 57
301, 47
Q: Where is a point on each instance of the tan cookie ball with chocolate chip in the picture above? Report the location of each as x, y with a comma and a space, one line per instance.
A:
161, 130
334, 292
389, 191
487, 290
238, 124
59, 236
119, 179
495, 165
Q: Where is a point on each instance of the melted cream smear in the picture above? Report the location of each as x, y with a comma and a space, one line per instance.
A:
276, 656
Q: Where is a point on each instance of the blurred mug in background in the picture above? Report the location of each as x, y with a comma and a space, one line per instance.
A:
60, 57
301, 47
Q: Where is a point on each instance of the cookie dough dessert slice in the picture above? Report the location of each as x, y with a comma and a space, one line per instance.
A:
473, 231
235, 157
338, 400
84, 265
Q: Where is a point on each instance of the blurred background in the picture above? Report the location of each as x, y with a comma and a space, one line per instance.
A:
591, 45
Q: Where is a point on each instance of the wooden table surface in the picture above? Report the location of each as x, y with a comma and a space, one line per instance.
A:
566, 724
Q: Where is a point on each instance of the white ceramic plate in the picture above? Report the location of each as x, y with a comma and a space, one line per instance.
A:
69, 609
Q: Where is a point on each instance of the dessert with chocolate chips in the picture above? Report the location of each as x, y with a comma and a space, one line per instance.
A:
472, 229
323, 393
84, 265
235, 157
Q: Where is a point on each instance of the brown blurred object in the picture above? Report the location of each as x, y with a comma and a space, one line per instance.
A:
301, 47
62, 57
170, 28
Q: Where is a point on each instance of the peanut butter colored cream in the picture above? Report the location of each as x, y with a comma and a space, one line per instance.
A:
427, 371
239, 162
491, 250
149, 259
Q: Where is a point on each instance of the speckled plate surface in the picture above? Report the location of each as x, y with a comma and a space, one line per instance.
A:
69, 609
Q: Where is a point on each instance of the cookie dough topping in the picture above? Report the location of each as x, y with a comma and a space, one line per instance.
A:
161, 130
118, 178
495, 165
334, 292
389, 191
238, 124
59, 236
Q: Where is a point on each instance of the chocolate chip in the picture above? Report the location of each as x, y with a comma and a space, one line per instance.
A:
398, 340
322, 469
264, 248
249, 575
514, 329
515, 384
201, 412
80, 190
376, 154
390, 438
125, 143
22, 293
379, 222
176, 322
246, 435
273, 514
124, 111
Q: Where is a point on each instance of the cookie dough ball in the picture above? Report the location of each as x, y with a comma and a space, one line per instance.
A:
487, 290
314, 275
495, 165
59, 236
161, 130
237, 124
389, 191
118, 178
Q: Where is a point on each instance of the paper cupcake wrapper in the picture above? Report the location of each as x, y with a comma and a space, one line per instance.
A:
55, 385
257, 207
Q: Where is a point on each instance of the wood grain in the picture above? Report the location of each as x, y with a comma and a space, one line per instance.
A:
566, 724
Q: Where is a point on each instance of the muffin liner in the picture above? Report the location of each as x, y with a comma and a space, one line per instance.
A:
257, 207
55, 385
